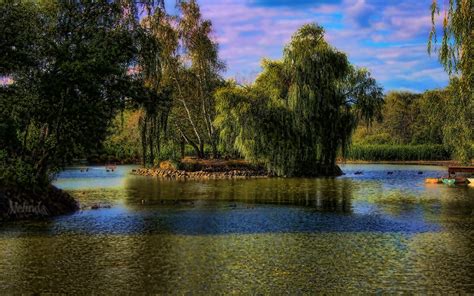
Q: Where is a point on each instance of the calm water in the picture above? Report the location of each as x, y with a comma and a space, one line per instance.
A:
358, 233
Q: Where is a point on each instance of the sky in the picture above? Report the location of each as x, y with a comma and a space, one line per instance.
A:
389, 37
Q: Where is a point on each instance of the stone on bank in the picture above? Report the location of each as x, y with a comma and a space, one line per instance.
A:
18, 204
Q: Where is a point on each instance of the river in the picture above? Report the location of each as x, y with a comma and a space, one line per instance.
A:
384, 231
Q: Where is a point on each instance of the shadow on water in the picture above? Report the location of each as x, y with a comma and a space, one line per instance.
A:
324, 195
150, 206
359, 233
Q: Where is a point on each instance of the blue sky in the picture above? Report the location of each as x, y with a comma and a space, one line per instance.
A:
387, 37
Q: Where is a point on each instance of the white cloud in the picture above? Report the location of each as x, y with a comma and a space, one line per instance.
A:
390, 40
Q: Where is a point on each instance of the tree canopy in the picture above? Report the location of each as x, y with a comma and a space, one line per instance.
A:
456, 53
301, 110
67, 88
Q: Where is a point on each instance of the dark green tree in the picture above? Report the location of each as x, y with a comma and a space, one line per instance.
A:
401, 111
301, 111
66, 90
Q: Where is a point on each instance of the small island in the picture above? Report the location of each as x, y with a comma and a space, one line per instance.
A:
204, 169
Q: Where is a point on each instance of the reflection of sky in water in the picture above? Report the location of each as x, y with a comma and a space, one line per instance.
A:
95, 177
357, 234
403, 177
372, 202
226, 220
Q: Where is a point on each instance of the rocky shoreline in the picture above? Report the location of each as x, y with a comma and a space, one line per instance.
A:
16, 204
173, 174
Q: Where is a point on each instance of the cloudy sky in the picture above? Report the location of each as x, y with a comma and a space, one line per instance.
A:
388, 37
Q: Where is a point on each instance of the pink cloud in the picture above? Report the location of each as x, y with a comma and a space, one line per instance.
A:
248, 33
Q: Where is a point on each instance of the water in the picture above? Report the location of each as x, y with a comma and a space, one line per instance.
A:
375, 233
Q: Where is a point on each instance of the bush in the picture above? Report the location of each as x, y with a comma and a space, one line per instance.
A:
20, 173
398, 152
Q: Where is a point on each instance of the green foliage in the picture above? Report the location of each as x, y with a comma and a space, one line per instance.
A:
372, 136
67, 90
301, 110
408, 118
179, 80
123, 140
400, 113
398, 152
428, 125
459, 122
456, 53
15, 171
19, 29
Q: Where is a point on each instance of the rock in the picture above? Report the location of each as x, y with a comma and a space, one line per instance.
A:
20, 204
209, 173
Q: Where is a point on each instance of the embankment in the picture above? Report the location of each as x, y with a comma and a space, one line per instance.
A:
21, 204
199, 169
199, 175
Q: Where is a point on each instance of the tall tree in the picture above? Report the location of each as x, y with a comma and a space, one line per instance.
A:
153, 92
456, 53
302, 110
200, 75
65, 94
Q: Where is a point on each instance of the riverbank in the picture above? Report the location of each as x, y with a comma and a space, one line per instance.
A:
198, 175
204, 169
21, 204
191, 168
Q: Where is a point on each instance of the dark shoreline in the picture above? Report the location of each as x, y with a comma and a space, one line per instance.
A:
26, 204
172, 174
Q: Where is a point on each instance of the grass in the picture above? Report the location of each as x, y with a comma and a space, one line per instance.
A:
398, 153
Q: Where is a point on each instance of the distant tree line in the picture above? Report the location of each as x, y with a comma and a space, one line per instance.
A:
408, 119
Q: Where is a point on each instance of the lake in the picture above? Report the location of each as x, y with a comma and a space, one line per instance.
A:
370, 233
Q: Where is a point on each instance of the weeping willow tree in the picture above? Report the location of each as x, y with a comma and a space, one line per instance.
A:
456, 53
301, 111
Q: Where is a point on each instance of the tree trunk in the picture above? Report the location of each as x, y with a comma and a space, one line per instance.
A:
198, 149
158, 141
182, 144
201, 152
215, 153
151, 138
144, 143
151, 143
